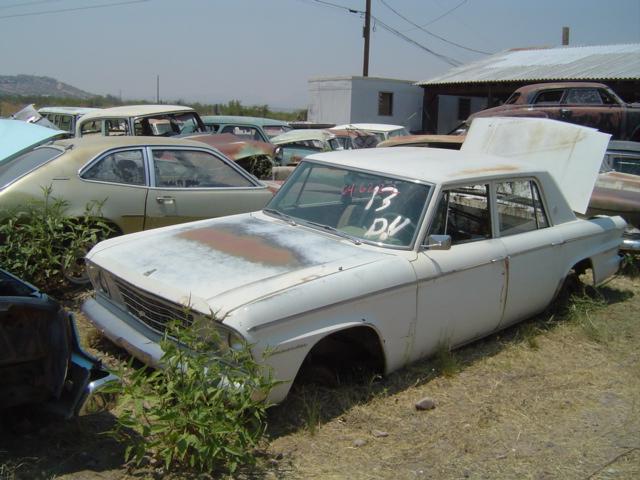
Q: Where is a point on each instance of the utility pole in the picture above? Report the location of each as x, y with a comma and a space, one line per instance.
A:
366, 33
158, 89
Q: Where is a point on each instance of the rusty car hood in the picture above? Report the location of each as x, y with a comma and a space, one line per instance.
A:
220, 264
234, 147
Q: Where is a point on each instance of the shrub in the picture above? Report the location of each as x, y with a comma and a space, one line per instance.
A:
39, 243
202, 412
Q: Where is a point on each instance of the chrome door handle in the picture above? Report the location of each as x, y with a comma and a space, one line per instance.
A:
165, 200
555, 244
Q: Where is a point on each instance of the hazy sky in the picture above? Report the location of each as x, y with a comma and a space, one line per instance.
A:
265, 51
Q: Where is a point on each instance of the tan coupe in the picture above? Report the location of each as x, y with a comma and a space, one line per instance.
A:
144, 182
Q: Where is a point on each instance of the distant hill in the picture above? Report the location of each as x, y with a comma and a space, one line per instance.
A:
39, 86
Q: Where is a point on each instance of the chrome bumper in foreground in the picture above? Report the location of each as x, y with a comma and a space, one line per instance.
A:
116, 329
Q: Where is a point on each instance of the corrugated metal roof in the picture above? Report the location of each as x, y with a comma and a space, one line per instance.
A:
601, 62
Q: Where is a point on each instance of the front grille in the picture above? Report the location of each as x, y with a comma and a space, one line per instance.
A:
151, 310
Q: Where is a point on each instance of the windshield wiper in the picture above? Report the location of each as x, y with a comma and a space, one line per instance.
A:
288, 218
335, 231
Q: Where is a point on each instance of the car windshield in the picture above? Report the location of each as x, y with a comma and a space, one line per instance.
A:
11, 170
366, 206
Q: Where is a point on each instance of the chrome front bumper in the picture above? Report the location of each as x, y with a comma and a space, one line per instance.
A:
118, 327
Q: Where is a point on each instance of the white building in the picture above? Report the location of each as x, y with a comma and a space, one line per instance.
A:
357, 99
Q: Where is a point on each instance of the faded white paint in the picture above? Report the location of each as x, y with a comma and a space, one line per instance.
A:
284, 287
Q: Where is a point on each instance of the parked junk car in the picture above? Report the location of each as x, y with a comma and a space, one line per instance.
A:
295, 145
453, 142
249, 128
623, 157
65, 118
375, 255
41, 360
254, 156
352, 138
141, 120
583, 103
142, 182
30, 115
381, 130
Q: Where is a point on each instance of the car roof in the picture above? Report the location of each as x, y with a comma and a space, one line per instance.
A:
69, 110
242, 119
95, 144
373, 127
302, 135
433, 165
135, 111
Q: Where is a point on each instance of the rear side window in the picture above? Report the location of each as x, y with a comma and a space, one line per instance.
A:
194, 169
15, 168
519, 207
125, 167
585, 96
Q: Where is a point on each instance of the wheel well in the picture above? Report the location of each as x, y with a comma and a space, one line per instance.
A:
348, 352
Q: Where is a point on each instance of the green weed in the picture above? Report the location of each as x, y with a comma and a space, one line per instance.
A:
202, 412
39, 243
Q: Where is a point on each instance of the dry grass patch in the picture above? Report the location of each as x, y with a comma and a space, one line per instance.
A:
555, 397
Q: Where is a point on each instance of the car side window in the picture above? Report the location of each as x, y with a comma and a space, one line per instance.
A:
91, 128
194, 169
550, 97
519, 207
116, 127
119, 167
463, 214
585, 96
64, 122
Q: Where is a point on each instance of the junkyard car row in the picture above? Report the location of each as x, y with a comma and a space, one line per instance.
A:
371, 256
375, 255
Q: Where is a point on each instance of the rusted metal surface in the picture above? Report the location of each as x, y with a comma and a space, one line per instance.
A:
617, 194
453, 142
609, 114
232, 242
234, 147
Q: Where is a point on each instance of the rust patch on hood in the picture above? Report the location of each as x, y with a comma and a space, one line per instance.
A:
248, 247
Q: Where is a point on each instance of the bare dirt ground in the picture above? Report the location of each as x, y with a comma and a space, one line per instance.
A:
556, 397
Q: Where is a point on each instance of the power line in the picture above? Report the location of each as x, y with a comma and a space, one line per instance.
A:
430, 33
62, 10
25, 4
451, 10
393, 31
444, 58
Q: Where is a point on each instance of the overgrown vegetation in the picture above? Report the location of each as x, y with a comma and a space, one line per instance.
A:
10, 104
202, 412
41, 244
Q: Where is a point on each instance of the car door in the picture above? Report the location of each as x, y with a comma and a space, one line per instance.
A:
193, 184
461, 290
593, 107
534, 251
118, 180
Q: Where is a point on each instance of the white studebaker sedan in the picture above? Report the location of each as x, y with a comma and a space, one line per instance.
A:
379, 254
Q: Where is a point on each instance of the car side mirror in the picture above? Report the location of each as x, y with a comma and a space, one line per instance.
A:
438, 242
